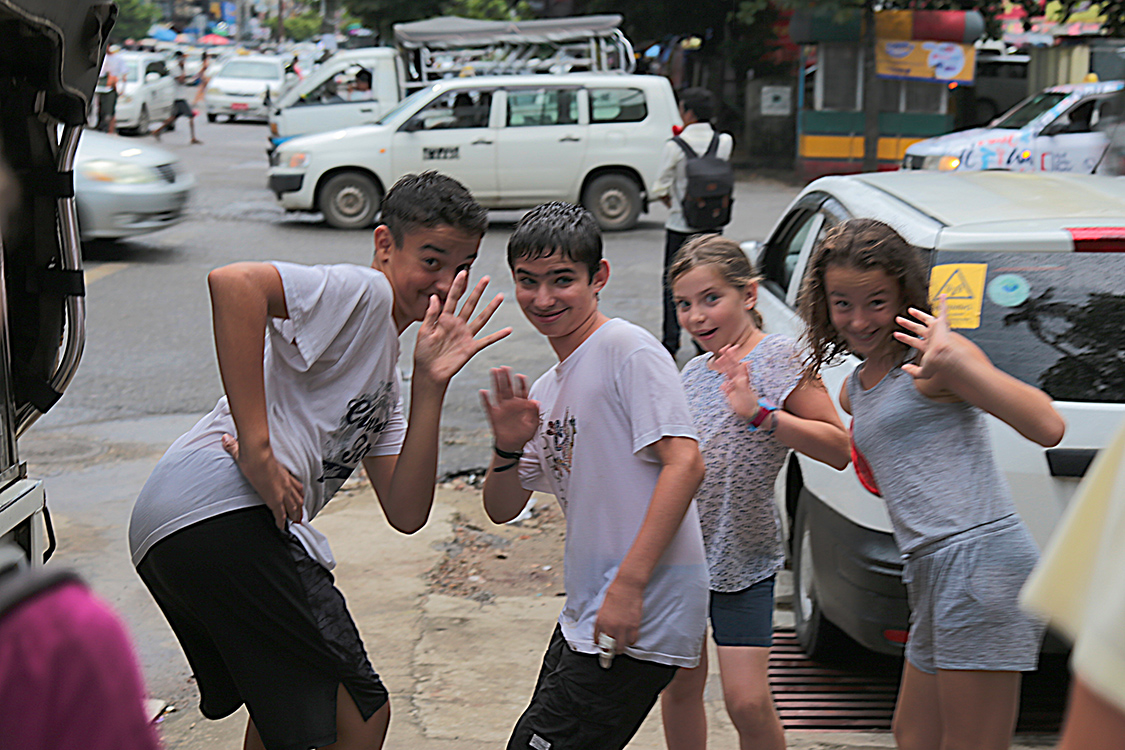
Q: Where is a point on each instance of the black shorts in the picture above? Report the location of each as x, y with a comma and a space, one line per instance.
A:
261, 623
180, 108
744, 618
577, 705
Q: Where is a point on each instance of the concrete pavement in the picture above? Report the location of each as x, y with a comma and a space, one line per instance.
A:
459, 670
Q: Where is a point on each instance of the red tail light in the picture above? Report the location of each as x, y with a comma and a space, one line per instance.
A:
1098, 239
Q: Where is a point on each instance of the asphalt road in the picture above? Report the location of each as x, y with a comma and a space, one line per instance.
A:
149, 349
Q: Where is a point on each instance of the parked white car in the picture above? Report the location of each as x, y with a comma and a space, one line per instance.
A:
514, 141
147, 94
124, 188
244, 86
1041, 260
1053, 131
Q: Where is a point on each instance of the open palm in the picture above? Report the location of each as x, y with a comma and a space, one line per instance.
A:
446, 339
514, 417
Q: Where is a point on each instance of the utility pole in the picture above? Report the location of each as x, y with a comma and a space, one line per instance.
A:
280, 21
870, 91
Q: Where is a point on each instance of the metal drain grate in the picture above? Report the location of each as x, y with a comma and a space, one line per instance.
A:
859, 694
811, 695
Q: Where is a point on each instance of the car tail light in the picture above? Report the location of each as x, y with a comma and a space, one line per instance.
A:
1098, 239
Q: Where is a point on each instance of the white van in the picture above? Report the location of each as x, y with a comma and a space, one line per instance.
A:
515, 141
322, 101
1049, 254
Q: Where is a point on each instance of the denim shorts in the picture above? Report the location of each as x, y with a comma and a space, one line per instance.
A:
744, 618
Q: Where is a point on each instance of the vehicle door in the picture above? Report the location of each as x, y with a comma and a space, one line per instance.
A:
335, 104
542, 146
160, 91
1072, 142
452, 134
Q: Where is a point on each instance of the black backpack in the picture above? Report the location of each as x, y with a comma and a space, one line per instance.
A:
710, 187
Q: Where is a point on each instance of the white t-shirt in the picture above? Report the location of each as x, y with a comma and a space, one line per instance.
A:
601, 410
672, 178
1080, 581
333, 397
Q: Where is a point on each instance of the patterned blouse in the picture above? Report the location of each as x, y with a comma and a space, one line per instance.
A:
741, 528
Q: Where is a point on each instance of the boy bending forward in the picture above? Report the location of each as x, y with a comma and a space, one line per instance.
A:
608, 432
308, 356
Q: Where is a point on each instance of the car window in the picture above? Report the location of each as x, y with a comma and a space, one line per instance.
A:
155, 67
530, 107
1081, 118
1029, 110
785, 251
262, 71
617, 105
456, 110
1055, 320
406, 103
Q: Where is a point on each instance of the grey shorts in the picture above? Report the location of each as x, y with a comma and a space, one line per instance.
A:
964, 610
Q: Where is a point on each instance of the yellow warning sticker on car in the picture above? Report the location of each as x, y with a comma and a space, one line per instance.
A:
963, 287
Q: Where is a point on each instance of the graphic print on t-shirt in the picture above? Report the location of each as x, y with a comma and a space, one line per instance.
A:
367, 416
558, 440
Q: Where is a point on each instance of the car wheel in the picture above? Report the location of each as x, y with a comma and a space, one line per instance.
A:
818, 637
349, 200
615, 201
143, 120
211, 117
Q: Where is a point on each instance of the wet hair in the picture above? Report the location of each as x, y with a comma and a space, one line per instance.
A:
561, 228
722, 254
699, 101
427, 200
863, 245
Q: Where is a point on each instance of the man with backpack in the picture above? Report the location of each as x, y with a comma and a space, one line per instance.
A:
696, 183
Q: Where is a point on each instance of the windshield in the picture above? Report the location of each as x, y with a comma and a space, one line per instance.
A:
1029, 110
1054, 320
262, 71
407, 102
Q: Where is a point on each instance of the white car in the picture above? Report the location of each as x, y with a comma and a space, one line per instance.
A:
244, 86
514, 141
1039, 261
1053, 131
124, 189
147, 94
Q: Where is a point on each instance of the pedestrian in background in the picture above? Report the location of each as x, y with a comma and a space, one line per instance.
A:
918, 403
696, 109
751, 404
111, 83
1080, 586
180, 106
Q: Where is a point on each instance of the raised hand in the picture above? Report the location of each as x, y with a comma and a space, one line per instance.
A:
282, 492
741, 396
446, 339
514, 417
932, 338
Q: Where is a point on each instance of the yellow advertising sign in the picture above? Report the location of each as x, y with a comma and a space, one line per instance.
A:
925, 61
963, 287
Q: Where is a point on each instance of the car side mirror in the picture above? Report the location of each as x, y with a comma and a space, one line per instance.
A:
412, 125
152, 77
1053, 129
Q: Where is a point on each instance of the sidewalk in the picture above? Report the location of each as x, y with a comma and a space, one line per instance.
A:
460, 670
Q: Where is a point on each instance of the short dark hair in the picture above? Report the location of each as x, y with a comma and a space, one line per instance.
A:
429, 199
558, 227
364, 75
699, 101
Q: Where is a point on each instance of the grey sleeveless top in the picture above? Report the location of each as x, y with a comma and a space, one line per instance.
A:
932, 461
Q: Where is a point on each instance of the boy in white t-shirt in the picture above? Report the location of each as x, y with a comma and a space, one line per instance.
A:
607, 431
221, 532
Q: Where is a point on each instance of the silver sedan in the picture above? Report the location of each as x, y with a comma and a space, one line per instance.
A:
124, 188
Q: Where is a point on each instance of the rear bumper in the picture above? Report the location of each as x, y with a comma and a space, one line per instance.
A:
859, 578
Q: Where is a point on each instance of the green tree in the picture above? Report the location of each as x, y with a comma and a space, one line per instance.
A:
134, 17
384, 14
488, 10
303, 26
1113, 10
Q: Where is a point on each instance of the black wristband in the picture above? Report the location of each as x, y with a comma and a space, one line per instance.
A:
507, 454
505, 467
